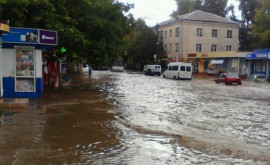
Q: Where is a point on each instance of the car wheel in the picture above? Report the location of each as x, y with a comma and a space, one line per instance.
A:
226, 83
239, 83
174, 77
164, 76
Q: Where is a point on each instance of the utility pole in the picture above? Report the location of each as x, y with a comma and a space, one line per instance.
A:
157, 56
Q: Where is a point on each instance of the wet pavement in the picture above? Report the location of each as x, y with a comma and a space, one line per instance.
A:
129, 118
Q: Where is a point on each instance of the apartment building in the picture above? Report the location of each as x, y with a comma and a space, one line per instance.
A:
198, 32
195, 35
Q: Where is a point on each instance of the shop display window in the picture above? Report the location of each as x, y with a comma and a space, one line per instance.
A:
25, 71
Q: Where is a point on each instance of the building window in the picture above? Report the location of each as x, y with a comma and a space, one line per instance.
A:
160, 35
170, 33
199, 32
213, 48
165, 47
229, 33
229, 48
170, 48
176, 32
214, 32
198, 47
166, 33
177, 47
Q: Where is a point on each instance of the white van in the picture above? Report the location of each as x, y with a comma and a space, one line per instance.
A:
152, 70
178, 70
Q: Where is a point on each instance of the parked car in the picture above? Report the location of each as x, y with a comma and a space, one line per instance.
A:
259, 77
152, 70
178, 70
229, 79
117, 68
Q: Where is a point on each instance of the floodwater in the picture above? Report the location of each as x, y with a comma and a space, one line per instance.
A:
129, 118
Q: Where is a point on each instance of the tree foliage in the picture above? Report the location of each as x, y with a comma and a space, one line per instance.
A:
261, 26
218, 7
91, 29
248, 10
143, 44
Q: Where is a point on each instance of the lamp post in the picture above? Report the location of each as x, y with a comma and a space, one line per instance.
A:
157, 55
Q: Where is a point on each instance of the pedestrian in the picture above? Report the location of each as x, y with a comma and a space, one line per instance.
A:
220, 71
90, 69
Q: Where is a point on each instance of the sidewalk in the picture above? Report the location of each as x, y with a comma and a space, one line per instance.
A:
14, 102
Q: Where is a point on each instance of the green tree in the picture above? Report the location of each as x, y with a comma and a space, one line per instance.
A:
89, 29
218, 7
261, 26
231, 10
143, 44
247, 8
186, 6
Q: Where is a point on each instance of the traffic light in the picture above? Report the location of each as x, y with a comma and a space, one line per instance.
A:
63, 50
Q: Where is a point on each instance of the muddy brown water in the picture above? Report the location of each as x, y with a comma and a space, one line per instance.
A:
94, 123
58, 127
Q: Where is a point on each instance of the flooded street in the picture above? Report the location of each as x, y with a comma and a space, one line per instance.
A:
130, 118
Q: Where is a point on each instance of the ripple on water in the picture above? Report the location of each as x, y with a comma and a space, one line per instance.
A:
201, 105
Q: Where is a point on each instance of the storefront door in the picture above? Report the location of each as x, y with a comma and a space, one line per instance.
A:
259, 67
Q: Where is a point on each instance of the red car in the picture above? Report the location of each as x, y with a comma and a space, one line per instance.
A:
229, 79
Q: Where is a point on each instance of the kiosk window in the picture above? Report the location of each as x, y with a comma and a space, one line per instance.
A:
25, 71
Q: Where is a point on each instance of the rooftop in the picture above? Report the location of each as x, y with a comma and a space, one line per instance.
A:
197, 15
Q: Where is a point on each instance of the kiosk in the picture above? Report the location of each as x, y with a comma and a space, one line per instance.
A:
259, 62
22, 61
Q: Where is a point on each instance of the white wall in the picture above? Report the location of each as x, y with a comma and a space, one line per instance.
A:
9, 63
38, 66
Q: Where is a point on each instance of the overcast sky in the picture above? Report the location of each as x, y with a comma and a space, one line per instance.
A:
155, 11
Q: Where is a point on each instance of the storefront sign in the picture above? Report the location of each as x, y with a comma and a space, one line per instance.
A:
48, 37
217, 61
30, 36
221, 54
192, 55
257, 56
20, 35
204, 55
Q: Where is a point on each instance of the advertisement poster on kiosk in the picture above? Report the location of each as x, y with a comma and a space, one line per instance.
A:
25, 70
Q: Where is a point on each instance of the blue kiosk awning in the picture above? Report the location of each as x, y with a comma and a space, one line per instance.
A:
260, 55
38, 38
